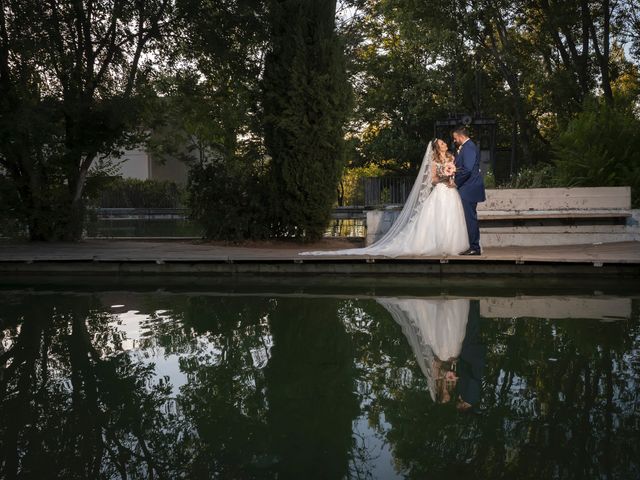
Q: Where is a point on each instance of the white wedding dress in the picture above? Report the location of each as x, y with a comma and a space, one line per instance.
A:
431, 222
435, 329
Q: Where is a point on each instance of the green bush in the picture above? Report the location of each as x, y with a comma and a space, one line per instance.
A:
10, 210
134, 193
538, 176
226, 199
38, 214
600, 147
490, 179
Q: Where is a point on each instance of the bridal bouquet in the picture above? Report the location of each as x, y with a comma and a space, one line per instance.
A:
449, 170
447, 173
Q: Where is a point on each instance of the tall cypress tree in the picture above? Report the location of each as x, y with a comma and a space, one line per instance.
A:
306, 100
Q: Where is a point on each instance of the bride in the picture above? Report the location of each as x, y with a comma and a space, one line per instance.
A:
435, 329
432, 220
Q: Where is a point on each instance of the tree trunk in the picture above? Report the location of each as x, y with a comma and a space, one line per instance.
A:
602, 55
514, 149
75, 225
604, 63
56, 49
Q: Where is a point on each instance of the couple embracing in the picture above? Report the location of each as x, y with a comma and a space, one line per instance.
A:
439, 216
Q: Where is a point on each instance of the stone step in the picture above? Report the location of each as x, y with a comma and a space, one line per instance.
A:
528, 239
561, 229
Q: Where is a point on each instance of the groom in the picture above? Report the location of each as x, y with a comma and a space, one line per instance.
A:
470, 185
471, 363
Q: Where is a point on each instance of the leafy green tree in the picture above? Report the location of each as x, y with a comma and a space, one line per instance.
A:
209, 115
403, 78
72, 78
306, 101
600, 147
531, 65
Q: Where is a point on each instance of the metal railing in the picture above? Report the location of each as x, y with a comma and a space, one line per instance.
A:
375, 191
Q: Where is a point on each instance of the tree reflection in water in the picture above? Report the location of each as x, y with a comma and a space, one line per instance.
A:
274, 387
74, 405
559, 400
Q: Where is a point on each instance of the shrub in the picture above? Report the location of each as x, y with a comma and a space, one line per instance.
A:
135, 193
38, 215
10, 207
538, 176
490, 179
600, 147
227, 200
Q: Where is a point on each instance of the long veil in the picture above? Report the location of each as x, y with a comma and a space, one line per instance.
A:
393, 237
421, 350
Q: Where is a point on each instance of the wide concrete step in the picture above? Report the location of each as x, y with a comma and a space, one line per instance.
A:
561, 229
489, 238
552, 214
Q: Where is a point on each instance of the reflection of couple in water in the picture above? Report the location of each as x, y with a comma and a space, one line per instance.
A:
444, 336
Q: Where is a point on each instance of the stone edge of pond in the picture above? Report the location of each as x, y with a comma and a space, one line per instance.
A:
296, 267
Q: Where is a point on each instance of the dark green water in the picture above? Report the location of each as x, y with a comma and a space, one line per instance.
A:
318, 383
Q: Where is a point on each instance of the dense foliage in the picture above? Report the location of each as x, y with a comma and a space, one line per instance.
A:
226, 199
265, 84
600, 146
72, 78
306, 101
530, 65
135, 193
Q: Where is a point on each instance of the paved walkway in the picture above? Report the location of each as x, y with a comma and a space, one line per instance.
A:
177, 251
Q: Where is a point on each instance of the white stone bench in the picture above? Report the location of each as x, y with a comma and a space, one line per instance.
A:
543, 216
557, 203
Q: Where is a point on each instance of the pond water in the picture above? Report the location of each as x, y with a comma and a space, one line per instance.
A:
296, 382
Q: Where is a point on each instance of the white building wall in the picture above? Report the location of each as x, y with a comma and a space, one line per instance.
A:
134, 164
140, 164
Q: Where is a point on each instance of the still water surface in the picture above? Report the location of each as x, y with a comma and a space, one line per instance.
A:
297, 384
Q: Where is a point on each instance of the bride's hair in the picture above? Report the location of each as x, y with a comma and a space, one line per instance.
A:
437, 157
444, 387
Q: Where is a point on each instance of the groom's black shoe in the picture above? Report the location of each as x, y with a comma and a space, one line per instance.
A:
471, 251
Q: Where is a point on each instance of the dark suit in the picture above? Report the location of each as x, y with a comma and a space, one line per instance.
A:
471, 188
472, 358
